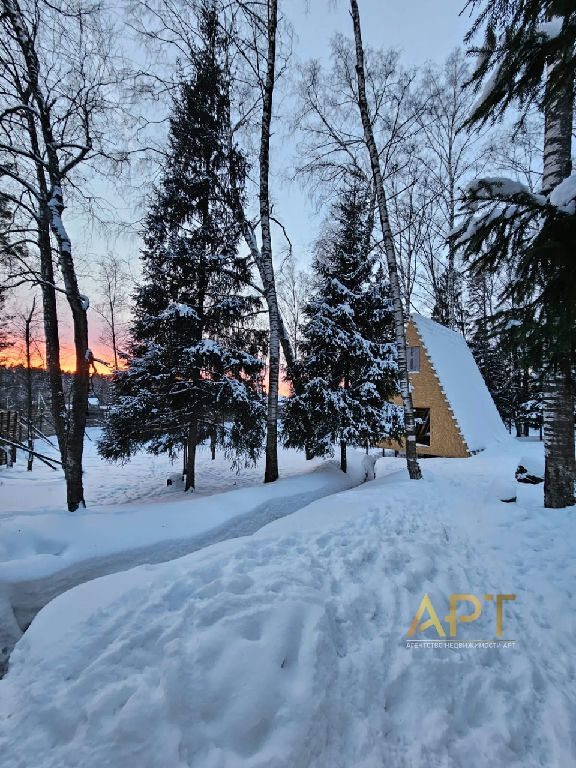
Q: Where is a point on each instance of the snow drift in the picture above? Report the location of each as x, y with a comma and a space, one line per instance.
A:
288, 648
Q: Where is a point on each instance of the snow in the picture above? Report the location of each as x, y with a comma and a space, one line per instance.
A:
533, 464
289, 647
465, 390
489, 86
550, 29
563, 196
179, 309
133, 517
491, 187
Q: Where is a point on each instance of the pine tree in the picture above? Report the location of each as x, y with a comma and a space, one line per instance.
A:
348, 355
193, 367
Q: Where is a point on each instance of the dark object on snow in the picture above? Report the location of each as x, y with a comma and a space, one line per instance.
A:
523, 476
509, 501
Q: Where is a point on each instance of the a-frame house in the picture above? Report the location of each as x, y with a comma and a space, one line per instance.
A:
455, 413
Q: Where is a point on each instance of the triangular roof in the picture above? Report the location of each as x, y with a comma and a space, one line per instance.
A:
462, 383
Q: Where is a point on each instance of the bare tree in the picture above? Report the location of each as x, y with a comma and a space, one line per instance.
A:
112, 281
267, 263
28, 319
388, 240
332, 146
54, 75
331, 151
449, 154
293, 284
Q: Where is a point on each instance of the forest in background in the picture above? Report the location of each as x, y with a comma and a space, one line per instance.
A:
462, 216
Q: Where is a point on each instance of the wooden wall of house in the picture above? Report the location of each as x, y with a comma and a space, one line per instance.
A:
445, 437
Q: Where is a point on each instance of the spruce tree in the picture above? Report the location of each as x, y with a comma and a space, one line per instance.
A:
348, 356
449, 311
492, 364
528, 49
193, 368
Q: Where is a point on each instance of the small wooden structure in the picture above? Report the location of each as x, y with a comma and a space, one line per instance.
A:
10, 429
455, 413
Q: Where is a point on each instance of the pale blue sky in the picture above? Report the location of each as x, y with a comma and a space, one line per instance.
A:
423, 30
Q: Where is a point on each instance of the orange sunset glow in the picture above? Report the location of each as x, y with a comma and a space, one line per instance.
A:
14, 356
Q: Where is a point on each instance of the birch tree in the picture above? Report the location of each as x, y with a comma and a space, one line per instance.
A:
449, 154
54, 74
388, 242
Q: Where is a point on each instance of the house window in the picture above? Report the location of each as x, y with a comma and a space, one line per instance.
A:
413, 359
422, 416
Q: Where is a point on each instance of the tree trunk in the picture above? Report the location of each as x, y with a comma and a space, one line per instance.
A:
30, 437
343, 458
191, 456
271, 471
113, 333
52, 337
400, 331
559, 442
81, 378
69, 428
213, 444
560, 466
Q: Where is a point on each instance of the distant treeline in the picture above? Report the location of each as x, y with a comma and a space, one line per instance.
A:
13, 393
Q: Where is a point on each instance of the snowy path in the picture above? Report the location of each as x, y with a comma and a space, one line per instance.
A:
287, 649
44, 553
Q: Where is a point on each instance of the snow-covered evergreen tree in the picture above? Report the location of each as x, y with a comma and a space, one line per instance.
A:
348, 356
492, 363
193, 366
528, 54
446, 311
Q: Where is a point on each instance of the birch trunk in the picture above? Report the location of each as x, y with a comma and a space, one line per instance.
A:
396, 290
69, 430
51, 335
278, 335
81, 378
271, 471
558, 417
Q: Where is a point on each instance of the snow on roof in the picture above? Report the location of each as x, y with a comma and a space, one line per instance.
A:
462, 383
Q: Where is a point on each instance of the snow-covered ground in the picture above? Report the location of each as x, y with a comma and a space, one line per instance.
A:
289, 647
135, 518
